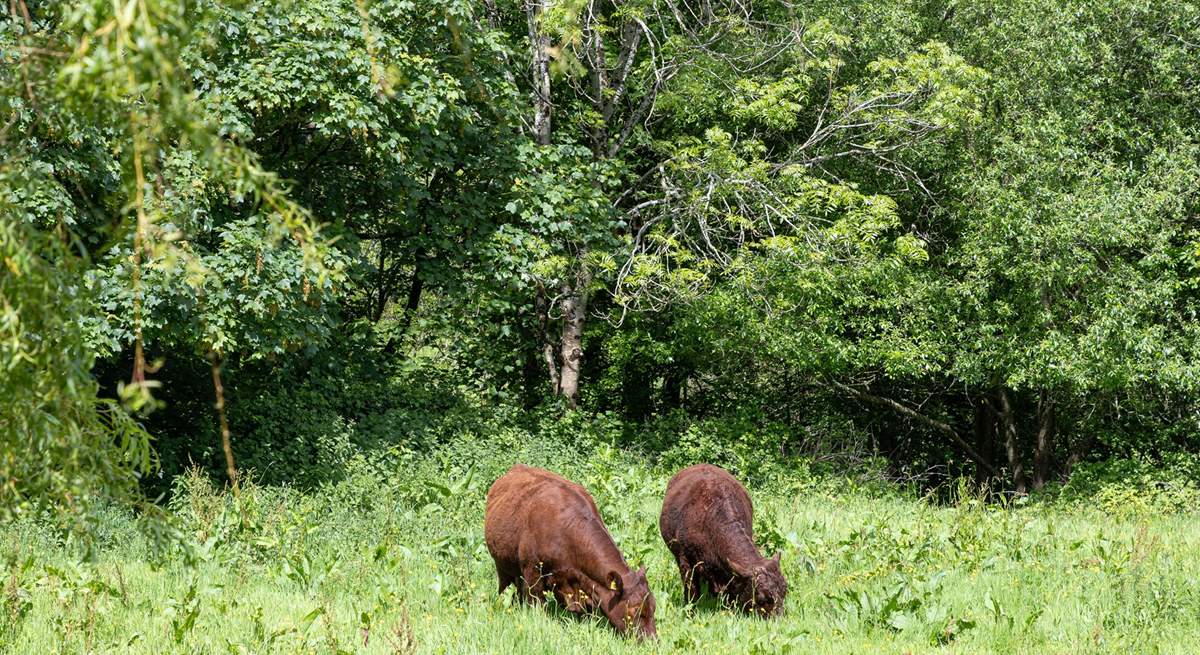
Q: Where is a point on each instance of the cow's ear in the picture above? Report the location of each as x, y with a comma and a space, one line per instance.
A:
615, 583
778, 555
642, 575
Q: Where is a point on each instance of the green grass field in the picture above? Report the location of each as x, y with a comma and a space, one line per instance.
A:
395, 563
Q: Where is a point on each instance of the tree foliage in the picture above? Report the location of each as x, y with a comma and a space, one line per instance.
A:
968, 232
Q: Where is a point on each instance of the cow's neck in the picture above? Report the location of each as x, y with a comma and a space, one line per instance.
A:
736, 546
605, 556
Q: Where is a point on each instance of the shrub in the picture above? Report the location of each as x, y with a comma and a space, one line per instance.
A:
1136, 486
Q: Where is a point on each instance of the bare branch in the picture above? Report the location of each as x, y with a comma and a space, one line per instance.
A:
940, 426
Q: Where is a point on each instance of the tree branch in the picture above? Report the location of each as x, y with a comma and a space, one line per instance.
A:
944, 428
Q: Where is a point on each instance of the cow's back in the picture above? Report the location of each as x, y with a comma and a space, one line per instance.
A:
525, 500
701, 500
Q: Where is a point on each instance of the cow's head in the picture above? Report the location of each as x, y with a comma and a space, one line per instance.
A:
760, 588
631, 605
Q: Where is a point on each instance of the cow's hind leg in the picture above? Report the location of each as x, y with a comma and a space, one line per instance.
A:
522, 594
505, 579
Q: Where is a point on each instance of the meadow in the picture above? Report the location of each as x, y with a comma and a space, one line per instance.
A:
390, 559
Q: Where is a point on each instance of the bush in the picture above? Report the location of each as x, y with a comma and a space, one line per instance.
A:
763, 452
747, 449
307, 420
1136, 486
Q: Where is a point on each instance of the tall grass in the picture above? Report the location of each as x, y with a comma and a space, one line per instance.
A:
392, 560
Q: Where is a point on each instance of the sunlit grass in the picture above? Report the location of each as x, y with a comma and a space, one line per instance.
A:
398, 566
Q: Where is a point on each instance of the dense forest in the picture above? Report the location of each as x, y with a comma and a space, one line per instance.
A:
963, 239
289, 244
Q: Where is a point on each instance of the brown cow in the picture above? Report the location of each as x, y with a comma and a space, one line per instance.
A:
545, 534
707, 521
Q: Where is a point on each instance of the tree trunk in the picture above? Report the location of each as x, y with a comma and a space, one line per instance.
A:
985, 437
572, 330
547, 348
531, 379
571, 346
215, 362
1009, 428
637, 399
540, 44
382, 295
414, 297
597, 65
493, 14
410, 309
672, 388
1045, 440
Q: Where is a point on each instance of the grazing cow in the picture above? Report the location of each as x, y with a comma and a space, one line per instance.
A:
545, 534
707, 522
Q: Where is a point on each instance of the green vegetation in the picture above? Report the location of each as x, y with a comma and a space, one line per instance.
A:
285, 284
394, 562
